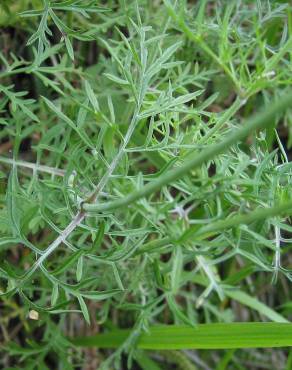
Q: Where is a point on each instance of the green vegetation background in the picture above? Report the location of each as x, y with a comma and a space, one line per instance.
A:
117, 208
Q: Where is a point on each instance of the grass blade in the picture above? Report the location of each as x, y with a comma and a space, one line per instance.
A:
204, 336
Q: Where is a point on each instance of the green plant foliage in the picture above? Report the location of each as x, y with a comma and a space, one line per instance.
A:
204, 336
145, 184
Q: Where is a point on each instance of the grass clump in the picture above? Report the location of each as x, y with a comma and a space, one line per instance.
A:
145, 180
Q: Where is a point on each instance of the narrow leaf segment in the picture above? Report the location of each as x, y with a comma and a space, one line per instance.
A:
259, 121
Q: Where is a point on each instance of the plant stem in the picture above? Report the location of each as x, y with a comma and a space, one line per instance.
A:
259, 214
33, 166
261, 120
197, 38
213, 228
53, 246
76, 221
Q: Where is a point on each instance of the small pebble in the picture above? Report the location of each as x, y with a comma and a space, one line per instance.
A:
33, 315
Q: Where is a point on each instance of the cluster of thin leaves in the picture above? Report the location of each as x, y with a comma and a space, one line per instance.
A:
161, 89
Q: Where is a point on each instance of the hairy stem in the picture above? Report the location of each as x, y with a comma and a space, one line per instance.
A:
284, 209
262, 120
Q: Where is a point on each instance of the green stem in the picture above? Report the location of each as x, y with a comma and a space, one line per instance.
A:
197, 38
179, 358
209, 230
241, 219
197, 159
14, 71
238, 103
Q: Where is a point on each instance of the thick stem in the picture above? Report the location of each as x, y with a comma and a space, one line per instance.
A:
284, 209
261, 120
